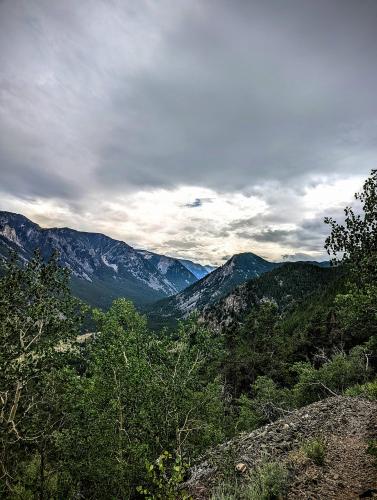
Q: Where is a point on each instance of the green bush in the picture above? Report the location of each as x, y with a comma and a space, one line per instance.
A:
165, 476
269, 402
315, 449
368, 390
372, 448
267, 482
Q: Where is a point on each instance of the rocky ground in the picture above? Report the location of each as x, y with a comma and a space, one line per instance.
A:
346, 426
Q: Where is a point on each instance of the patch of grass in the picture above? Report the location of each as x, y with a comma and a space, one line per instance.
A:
368, 390
267, 482
315, 450
372, 448
224, 491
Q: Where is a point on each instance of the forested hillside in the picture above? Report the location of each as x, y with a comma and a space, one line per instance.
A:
127, 412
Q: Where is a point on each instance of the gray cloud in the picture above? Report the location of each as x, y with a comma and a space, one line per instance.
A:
267, 98
234, 93
243, 95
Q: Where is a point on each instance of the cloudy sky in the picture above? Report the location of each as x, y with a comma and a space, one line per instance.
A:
195, 128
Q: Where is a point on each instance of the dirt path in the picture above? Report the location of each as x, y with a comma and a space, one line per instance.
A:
345, 424
349, 471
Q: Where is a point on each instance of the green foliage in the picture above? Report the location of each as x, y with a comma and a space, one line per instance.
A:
39, 321
354, 245
368, 390
268, 482
356, 239
315, 450
166, 475
332, 378
267, 403
372, 448
256, 349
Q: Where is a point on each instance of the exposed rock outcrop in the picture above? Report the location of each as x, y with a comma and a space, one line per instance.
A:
345, 424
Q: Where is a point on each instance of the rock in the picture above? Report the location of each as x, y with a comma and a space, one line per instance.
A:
335, 419
241, 468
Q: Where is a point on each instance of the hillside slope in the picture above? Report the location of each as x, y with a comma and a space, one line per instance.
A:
220, 303
213, 287
345, 424
286, 286
197, 269
102, 268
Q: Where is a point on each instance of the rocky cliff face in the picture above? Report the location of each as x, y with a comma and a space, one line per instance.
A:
214, 286
285, 286
346, 425
102, 268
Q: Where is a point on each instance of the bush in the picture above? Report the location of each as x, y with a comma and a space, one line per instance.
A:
368, 390
315, 449
270, 481
269, 403
165, 476
267, 482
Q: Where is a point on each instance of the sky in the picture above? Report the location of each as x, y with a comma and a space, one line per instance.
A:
193, 128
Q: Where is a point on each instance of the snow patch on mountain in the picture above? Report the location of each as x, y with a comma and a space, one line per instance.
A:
108, 264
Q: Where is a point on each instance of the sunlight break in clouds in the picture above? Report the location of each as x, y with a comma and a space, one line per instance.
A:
173, 222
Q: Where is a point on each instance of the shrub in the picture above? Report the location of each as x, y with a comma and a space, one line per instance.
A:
372, 448
368, 390
267, 482
270, 481
315, 449
166, 476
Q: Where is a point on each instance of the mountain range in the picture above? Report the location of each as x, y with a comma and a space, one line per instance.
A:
286, 286
102, 268
211, 288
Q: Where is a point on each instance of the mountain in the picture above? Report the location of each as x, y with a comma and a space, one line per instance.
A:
175, 272
102, 268
211, 288
196, 269
286, 286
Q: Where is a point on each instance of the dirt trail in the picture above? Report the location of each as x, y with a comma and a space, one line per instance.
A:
346, 425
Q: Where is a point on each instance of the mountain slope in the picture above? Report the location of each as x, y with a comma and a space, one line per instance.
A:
102, 268
286, 286
174, 271
212, 287
197, 270
345, 424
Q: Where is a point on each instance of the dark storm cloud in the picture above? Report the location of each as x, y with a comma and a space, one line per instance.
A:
194, 204
233, 93
244, 92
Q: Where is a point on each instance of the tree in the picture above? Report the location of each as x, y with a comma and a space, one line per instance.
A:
39, 318
256, 348
354, 245
142, 395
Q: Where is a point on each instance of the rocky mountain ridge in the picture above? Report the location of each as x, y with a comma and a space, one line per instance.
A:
285, 286
213, 287
102, 268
